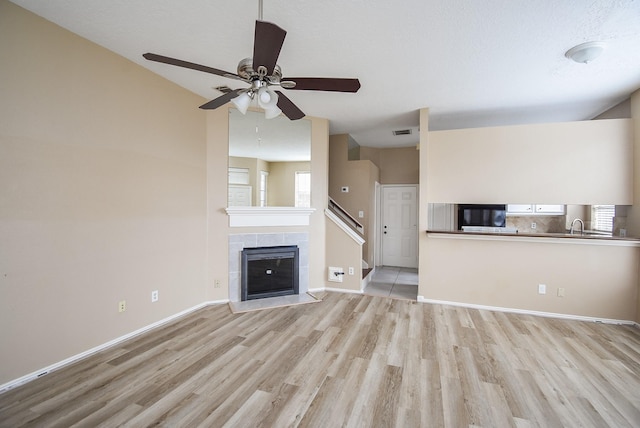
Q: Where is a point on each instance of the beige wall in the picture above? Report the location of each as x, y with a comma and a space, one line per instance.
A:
633, 213
282, 182
102, 195
543, 163
343, 252
107, 192
599, 280
621, 110
360, 176
397, 165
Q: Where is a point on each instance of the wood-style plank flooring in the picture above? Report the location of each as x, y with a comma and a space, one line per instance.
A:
351, 360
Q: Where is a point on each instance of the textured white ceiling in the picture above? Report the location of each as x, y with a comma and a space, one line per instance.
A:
473, 63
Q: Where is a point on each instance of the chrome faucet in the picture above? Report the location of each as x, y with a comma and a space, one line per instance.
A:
573, 223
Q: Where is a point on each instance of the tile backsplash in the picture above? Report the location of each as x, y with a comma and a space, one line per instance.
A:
544, 223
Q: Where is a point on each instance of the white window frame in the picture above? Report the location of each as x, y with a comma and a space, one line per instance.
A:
264, 188
303, 195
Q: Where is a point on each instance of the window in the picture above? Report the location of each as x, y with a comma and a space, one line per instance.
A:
264, 175
303, 189
602, 217
238, 175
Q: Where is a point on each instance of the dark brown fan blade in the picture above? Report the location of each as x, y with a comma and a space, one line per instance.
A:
220, 101
288, 107
324, 84
267, 43
191, 65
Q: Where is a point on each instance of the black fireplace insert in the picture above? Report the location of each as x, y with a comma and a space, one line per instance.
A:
269, 272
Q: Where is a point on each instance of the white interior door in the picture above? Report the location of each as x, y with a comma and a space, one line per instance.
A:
400, 226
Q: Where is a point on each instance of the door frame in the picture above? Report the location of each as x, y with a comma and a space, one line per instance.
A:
379, 209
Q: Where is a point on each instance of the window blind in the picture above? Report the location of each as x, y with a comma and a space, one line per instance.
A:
602, 217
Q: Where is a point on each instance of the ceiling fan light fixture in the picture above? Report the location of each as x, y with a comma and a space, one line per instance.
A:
267, 98
242, 102
584, 53
272, 113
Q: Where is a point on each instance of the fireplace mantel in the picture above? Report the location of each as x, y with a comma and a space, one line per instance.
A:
268, 216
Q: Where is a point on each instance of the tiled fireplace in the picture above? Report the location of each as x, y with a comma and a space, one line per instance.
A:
254, 240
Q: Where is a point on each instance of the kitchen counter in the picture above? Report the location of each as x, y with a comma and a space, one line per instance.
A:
598, 239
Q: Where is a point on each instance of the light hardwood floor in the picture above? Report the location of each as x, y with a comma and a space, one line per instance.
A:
352, 360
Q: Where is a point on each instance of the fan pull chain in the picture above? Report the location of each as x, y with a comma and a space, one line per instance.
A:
260, 10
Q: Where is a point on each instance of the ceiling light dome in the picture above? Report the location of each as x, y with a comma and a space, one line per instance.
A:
585, 52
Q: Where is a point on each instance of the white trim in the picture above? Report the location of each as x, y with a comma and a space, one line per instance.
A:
46, 370
268, 216
367, 279
343, 290
422, 299
378, 225
381, 203
353, 235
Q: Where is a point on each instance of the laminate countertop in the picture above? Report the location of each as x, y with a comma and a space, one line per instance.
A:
576, 236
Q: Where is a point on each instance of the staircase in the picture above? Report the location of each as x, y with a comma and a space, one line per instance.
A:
350, 222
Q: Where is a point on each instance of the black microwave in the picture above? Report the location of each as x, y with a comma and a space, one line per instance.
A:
488, 215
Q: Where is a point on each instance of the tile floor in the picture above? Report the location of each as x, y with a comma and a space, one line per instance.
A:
395, 282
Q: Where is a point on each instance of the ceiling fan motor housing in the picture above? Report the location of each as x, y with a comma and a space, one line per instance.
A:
246, 71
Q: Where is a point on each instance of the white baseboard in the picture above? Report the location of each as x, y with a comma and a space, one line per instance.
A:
528, 312
337, 290
343, 290
46, 370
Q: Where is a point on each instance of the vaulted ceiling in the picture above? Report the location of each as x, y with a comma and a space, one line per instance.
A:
473, 63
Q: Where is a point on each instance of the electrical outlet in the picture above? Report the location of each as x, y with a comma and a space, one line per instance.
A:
560, 292
122, 306
154, 296
216, 283
352, 271
542, 289
533, 225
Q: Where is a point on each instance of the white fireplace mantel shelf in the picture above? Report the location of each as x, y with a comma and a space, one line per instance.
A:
268, 216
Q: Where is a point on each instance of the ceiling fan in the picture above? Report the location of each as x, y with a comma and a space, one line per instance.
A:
262, 72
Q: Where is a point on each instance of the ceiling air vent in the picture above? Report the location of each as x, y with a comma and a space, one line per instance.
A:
402, 132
